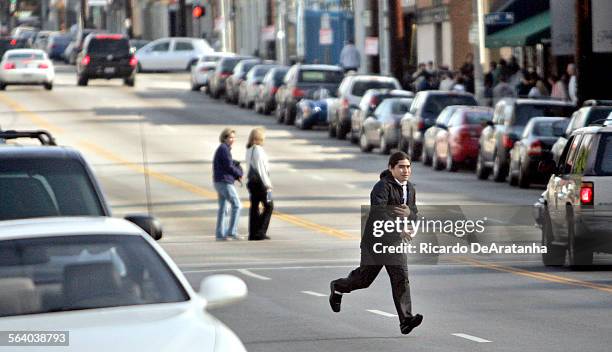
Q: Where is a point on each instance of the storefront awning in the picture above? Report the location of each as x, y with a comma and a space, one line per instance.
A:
525, 33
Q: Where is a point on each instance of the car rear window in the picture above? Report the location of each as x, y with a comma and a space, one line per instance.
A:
109, 46
360, 87
549, 128
436, 103
476, 117
278, 76
524, 112
597, 116
210, 59
229, 64
26, 56
40, 187
603, 166
320, 76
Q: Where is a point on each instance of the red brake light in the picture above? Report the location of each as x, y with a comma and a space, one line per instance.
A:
535, 148
224, 74
204, 69
345, 103
9, 66
133, 61
86, 60
586, 193
507, 142
297, 93
109, 36
14, 42
421, 125
373, 102
43, 66
273, 90
464, 133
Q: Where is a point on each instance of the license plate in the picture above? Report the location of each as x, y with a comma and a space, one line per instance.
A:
27, 76
108, 70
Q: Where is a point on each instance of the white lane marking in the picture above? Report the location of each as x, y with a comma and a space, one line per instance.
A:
316, 294
470, 337
252, 274
380, 312
317, 177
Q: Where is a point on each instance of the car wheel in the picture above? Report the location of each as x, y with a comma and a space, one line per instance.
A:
130, 82
482, 172
435, 162
384, 146
195, 87
498, 170
402, 145
523, 178
412, 151
279, 114
289, 120
577, 253
331, 130
353, 137
451, 165
555, 255
82, 81
363, 143
426, 157
48, 86
139, 68
2, 86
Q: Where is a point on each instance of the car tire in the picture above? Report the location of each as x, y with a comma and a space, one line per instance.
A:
279, 115
139, 68
2, 86
555, 255
523, 177
331, 130
578, 254
425, 157
413, 153
195, 87
289, 120
353, 137
49, 86
482, 172
435, 161
499, 174
451, 165
82, 81
402, 145
385, 149
363, 143
129, 81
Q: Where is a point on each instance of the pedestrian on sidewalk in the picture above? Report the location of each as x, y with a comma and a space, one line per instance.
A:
392, 197
259, 186
225, 172
350, 60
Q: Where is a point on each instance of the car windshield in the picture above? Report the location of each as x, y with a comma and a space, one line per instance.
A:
524, 112
436, 103
320, 76
260, 72
278, 76
40, 187
597, 116
360, 87
63, 273
603, 166
229, 64
477, 117
549, 128
109, 46
25, 56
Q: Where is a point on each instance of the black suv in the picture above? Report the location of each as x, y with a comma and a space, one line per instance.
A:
49, 180
106, 56
509, 120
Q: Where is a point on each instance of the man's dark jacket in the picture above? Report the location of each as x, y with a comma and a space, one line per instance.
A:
224, 169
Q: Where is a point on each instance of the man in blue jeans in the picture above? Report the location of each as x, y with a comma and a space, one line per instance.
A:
225, 173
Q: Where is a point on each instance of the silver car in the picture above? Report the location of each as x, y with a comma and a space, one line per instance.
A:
382, 129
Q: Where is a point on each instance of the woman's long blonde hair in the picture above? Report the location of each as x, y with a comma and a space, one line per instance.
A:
256, 137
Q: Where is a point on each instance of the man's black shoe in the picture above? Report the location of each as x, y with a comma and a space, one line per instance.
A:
411, 323
335, 299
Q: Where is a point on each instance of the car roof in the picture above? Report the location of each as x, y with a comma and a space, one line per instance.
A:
444, 92
320, 67
14, 151
371, 78
25, 51
63, 226
547, 118
538, 102
593, 129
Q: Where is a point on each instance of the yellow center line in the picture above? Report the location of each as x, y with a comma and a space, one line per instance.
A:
165, 178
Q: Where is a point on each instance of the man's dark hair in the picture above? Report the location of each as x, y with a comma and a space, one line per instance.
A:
396, 158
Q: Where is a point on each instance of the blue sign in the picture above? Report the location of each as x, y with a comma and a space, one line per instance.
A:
499, 18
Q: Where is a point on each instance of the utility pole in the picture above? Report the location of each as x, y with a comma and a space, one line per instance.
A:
182, 18
129, 19
83, 14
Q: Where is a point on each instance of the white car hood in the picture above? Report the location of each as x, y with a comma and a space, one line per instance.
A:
168, 327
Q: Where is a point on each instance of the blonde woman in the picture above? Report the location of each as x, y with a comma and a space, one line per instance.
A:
259, 186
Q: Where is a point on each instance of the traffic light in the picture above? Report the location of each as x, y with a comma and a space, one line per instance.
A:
199, 11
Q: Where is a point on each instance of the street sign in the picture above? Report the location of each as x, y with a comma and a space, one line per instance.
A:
499, 18
371, 46
326, 36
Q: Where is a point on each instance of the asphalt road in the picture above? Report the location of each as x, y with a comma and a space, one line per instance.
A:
470, 303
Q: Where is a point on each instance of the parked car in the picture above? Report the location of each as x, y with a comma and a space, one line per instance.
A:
106, 56
222, 71
77, 46
136, 44
509, 120
456, 143
429, 138
585, 116
171, 54
301, 81
534, 146
67, 54
265, 100
8, 43
577, 205
382, 128
250, 86
369, 102
314, 111
425, 108
26, 67
110, 285
41, 40
51, 181
351, 90
233, 82
57, 44
206, 64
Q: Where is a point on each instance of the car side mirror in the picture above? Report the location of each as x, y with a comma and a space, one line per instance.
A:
149, 224
547, 166
221, 290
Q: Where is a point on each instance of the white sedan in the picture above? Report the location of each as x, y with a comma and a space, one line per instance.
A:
207, 63
171, 54
26, 67
102, 284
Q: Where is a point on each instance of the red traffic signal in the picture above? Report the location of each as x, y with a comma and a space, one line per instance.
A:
198, 11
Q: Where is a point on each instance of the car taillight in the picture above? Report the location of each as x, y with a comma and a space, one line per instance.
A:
133, 61
373, 103
13, 42
224, 74
204, 69
43, 66
586, 193
345, 103
109, 36
421, 124
273, 90
9, 66
464, 133
297, 93
86, 60
535, 148
507, 142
